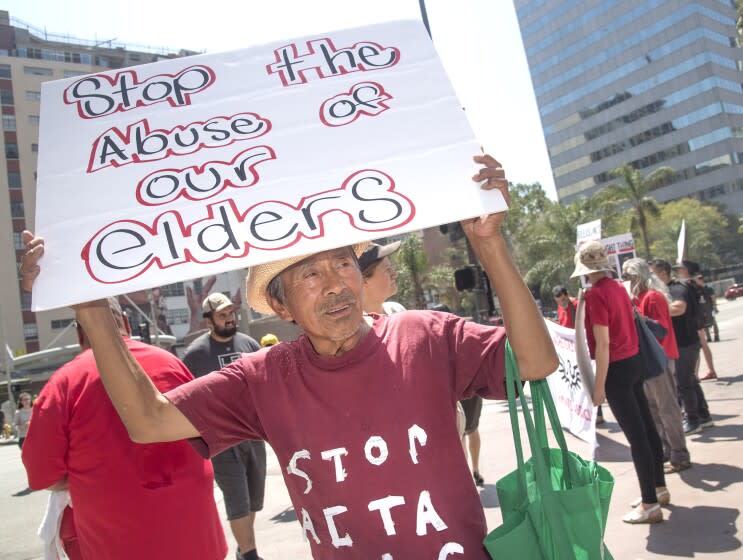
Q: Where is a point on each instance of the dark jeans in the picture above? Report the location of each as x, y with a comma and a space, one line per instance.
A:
690, 391
715, 330
626, 396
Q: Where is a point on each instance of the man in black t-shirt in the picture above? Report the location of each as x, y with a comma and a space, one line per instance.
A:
696, 411
240, 471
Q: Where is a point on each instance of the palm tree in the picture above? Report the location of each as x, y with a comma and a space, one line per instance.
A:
634, 190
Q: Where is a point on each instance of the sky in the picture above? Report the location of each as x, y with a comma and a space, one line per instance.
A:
478, 41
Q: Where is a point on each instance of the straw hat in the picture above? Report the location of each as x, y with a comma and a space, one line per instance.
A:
260, 275
591, 257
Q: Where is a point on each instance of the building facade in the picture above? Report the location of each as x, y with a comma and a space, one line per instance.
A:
647, 82
29, 56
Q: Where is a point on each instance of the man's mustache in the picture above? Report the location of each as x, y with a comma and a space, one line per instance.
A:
335, 302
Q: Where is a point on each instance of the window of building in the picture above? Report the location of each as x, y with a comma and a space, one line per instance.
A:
6, 96
30, 331
34, 148
61, 323
11, 151
14, 180
25, 301
33, 95
18, 241
73, 73
135, 56
9, 122
171, 290
4, 70
16, 210
33, 119
177, 316
37, 71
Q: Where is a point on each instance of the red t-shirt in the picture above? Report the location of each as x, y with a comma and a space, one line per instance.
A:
652, 303
566, 315
367, 441
130, 500
608, 304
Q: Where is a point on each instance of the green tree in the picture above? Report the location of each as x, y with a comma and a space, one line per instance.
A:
411, 265
705, 226
633, 190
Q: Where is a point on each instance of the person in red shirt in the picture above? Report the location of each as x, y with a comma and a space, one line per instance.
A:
360, 409
566, 306
652, 299
613, 344
128, 500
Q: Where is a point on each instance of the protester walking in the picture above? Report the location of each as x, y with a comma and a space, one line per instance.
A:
22, 417
240, 471
684, 315
614, 345
652, 298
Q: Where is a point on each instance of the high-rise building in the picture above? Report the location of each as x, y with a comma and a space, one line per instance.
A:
648, 82
29, 56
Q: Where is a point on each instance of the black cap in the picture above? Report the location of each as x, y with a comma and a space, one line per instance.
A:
691, 267
374, 252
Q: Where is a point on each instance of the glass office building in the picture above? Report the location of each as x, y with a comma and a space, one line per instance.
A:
653, 83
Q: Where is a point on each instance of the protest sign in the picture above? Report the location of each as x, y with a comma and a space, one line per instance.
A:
572, 398
193, 166
619, 248
588, 232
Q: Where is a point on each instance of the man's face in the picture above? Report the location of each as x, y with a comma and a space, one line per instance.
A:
381, 285
661, 274
562, 300
682, 273
322, 294
223, 323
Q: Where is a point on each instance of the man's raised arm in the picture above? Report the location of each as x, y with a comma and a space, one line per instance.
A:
148, 416
524, 324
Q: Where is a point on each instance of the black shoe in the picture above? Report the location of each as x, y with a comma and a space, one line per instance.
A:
717, 339
691, 428
479, 480
706, 422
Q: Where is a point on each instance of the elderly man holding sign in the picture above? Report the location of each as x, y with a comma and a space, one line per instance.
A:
354, 408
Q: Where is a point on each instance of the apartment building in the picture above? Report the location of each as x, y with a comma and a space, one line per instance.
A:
28, 57
649, 82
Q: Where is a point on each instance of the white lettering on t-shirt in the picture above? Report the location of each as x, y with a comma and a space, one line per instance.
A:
415, 432
292, 468
335, 455
450, 548
307, 525
337, 540
387, 556
384, 505
379, 443
427, 514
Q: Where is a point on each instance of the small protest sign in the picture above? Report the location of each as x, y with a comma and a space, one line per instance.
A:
193, 166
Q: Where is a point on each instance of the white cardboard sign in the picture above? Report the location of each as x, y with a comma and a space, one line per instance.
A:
193, 166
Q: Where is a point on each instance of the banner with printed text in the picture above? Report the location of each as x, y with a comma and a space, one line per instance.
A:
572, 399
192, 166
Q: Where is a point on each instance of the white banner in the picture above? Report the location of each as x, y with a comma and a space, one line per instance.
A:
589, 231
619, 248
193, 166
572, 398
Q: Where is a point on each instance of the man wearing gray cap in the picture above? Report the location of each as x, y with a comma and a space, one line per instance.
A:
240, 471
360, 409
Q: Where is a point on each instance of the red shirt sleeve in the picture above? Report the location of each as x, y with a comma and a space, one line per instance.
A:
45, 450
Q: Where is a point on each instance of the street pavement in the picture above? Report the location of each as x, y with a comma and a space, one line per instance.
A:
701, 522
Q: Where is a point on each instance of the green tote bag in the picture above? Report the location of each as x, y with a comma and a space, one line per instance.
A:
554, 505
